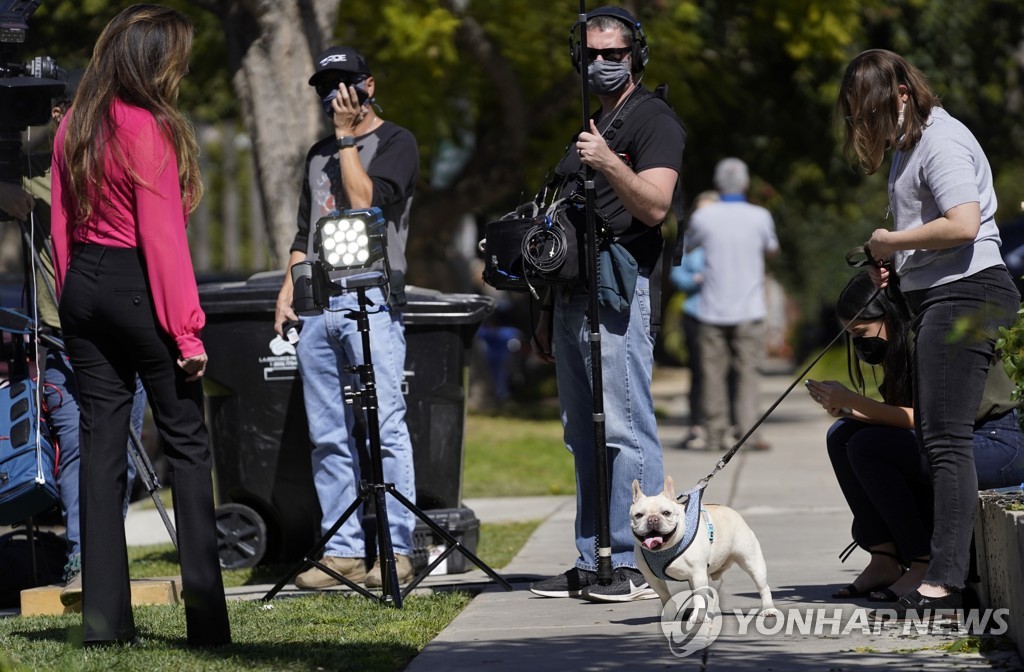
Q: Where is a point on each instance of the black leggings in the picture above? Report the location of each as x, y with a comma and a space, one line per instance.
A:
956, 325
111, 333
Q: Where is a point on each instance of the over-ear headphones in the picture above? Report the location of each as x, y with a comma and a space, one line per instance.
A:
640, 54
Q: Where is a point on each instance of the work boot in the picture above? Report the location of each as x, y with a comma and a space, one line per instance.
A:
403, 567
353, 569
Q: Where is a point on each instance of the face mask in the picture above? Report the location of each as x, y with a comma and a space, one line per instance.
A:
329, 98
327, 102
870, 349
899, 120
607, 77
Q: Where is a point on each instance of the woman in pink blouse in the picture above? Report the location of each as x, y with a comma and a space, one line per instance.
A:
125, 177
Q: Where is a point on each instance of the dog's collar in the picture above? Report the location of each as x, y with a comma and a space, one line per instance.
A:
659, 561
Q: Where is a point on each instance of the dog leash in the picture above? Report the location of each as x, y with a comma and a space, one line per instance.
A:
856, 257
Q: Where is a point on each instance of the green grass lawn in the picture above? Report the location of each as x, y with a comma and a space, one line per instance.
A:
498, 545
516, 456
318, 632
504, 457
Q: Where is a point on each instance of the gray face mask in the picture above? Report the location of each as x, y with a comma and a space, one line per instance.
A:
608, 77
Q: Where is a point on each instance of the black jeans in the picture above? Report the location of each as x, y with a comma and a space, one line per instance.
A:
884, 477
956, 325
111, 334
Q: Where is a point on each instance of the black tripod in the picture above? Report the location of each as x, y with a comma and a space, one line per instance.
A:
375, 490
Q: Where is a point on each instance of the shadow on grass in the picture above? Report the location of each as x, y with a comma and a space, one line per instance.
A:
313, 632
155, 651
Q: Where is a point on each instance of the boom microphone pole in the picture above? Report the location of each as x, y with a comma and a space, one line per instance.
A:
604, 548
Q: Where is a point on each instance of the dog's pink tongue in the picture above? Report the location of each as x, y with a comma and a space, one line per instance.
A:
652, 542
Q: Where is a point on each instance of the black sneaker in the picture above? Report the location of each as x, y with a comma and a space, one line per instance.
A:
627, 585
569, 584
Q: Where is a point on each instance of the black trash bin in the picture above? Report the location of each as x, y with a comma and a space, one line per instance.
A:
439, 330
261, 451
267, 504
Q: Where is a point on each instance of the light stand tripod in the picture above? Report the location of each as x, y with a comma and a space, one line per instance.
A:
375, 491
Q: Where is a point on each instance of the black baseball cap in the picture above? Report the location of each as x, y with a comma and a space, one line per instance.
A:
339, 60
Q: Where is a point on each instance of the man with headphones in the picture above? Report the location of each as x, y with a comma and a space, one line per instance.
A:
634, 143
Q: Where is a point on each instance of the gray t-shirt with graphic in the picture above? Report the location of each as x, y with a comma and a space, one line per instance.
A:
391, 159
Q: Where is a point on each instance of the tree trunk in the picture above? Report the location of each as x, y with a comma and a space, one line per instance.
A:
271, 46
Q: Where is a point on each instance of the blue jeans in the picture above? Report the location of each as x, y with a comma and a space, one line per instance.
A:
999, 452
631, 432
62, 408
956, 325
329, 343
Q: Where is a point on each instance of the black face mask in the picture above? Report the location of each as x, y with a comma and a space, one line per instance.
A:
870, 349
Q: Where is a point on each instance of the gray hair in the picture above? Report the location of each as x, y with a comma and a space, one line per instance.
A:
731, 176
605, 22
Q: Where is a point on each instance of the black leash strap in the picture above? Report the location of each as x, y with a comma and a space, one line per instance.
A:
703, 483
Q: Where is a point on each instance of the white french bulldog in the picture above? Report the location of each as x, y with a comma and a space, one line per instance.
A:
658, 526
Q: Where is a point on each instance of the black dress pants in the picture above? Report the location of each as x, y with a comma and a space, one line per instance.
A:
111, 333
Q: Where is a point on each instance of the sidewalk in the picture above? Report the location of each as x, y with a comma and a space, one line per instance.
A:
791, 501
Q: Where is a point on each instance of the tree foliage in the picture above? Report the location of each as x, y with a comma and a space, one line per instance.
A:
488, 90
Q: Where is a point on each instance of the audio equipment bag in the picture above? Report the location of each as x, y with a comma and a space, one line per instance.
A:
525, 249
27, 458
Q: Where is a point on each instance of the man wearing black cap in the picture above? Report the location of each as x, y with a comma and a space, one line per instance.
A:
61, 391
634, 143
366, 162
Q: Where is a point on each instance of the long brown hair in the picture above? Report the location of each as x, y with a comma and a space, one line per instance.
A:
868, 106
140, 58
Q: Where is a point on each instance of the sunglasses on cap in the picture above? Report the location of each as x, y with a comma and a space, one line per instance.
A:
614, 54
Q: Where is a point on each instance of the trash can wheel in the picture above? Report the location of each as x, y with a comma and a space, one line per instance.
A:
241, 536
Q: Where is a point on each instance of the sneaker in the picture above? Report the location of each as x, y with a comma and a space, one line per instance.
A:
71, 593
353, 569
627, 585
695, 441
568, 584
403, 567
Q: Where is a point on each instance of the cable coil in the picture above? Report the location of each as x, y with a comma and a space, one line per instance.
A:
545, 247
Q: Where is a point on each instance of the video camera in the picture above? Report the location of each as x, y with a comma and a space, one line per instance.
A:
26, 89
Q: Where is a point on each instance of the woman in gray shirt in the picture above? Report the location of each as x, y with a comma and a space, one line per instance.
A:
942, 254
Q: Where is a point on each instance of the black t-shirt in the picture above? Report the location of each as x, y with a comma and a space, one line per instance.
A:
651, 136
391, 159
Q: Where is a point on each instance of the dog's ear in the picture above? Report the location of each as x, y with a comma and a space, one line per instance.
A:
670, 488
637, 493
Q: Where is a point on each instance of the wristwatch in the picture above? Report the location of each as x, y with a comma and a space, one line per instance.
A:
347, 141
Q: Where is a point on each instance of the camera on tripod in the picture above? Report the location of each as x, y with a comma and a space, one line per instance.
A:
345, 242
26, 89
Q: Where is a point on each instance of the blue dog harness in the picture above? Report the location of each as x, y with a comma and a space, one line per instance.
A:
659, 560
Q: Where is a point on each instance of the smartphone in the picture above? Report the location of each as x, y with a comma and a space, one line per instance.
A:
361, 93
